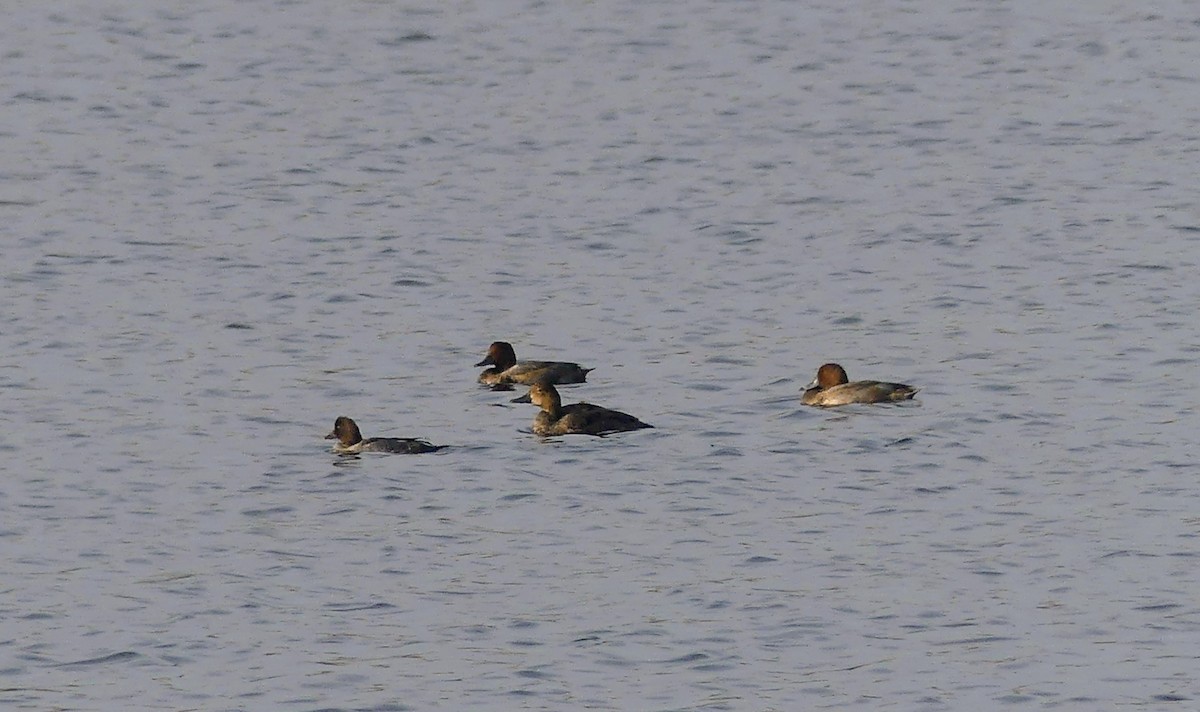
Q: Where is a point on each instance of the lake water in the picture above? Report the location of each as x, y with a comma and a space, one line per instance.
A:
226, 223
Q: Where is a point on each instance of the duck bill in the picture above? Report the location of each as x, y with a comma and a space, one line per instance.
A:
487, 361
813, 384
332, 435
523, 399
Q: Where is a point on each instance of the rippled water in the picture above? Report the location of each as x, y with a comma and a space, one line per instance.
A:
226, 223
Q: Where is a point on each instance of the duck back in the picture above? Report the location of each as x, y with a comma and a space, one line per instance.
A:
858, 392
586, 419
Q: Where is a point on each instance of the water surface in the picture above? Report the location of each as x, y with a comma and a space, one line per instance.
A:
227, 224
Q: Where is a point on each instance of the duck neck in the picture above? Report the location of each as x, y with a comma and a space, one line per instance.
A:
552, 407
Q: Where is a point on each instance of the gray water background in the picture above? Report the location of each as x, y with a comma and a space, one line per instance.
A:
226, 223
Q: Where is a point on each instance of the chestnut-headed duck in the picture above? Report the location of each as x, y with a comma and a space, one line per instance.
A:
507, 369
833, 387
350, 440
578, 418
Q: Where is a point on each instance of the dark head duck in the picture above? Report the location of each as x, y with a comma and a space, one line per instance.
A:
579, 418
507, 369
350, 440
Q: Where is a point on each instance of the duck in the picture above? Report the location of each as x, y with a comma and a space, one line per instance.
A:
832, 387
506, 369
576, 419
350, 440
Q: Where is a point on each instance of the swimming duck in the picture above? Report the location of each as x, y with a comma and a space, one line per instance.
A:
507, 369
833, 387
579, 418
350, 440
